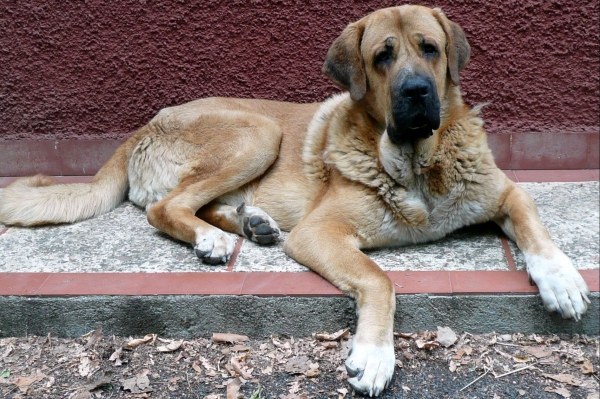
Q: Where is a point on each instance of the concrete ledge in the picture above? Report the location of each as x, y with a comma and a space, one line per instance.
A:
187, 316
117, 271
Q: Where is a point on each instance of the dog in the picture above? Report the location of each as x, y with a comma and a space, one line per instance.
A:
398, 158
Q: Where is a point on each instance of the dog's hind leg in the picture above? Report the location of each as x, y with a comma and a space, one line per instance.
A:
247, 151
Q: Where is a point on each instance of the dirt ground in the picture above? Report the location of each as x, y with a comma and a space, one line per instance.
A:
439, 364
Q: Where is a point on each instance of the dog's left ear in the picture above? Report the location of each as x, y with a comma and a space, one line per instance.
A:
344, 63
458, 50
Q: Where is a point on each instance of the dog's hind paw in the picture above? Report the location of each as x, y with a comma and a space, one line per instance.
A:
370, 368
214, 247
257, 225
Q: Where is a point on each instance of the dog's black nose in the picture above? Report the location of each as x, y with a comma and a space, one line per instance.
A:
416, 88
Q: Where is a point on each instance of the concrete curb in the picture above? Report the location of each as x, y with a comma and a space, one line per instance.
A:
188, 316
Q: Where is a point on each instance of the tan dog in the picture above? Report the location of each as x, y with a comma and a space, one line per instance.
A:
399, 159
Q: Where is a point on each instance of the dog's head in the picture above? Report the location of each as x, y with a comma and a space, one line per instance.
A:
400, 62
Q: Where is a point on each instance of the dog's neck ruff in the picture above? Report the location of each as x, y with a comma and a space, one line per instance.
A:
332, 141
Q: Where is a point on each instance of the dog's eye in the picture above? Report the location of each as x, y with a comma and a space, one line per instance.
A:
429, 50
383, 57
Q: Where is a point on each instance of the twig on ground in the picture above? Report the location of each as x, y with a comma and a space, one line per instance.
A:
507, 344
514, 371
475, 380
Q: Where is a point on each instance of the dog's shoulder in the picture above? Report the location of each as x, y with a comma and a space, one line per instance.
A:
316, 137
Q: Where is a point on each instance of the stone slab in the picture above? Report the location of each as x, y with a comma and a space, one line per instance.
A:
118, 241
571, 213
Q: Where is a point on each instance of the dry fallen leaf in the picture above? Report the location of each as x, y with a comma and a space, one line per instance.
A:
226, 337
452, 366
297, 365
294, 386
171, 347
426, 344
565, 378
465, 350
336, 336
330, 344
97, 380
7, 351
313, 370
564, 392
81, 394
445, 336
587, 367
116, 357
50, 382
137, 342
84, 366
233, 388
239, 369
521, 359
240, 348
206, 364
538, 351
139, 384
406, 336
94, 337
23, 383
197, 368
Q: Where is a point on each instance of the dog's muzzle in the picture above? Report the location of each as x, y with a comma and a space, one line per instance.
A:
415, 109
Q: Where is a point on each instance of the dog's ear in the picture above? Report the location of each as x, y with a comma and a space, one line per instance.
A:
458, 50
344, 63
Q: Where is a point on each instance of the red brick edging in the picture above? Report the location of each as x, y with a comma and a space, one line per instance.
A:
264, 283
548, 150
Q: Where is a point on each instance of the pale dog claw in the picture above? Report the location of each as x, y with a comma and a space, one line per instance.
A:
561, 287
370, 368
214, 248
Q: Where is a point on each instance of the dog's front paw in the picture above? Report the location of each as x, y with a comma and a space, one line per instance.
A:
370, 367
561, 287
214, 247
257, 225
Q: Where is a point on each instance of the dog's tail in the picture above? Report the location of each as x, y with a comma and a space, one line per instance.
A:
39, 200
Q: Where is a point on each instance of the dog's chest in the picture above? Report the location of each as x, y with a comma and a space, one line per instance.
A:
445, 214
454, 206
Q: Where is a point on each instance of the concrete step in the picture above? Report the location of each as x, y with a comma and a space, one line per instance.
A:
118, 269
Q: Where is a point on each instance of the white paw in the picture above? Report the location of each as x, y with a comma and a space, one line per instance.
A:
370, 367
257, 225
562, 288
214, 246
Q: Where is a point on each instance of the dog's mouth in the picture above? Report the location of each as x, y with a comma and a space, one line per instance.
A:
418, 127
421, 127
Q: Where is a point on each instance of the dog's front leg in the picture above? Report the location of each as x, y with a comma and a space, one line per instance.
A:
330, 248
561, 287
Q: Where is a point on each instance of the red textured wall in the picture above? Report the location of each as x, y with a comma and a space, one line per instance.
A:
99, 69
